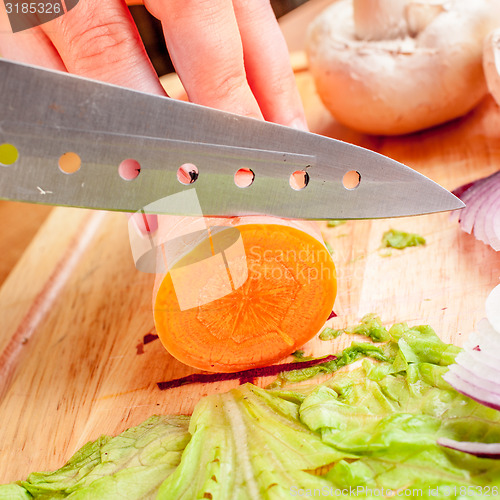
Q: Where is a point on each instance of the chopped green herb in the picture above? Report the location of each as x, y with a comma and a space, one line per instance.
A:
335, 223
329, 248
348, 356
385, 252
298, 355
399, 239
330, 333
370, 326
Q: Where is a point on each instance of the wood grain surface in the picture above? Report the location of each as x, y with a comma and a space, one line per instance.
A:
74, 309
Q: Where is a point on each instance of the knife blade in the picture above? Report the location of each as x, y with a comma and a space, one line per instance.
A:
46, 114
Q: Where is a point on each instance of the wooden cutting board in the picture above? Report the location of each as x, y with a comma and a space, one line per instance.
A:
74, 310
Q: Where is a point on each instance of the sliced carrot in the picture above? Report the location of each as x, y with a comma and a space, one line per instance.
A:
248, 308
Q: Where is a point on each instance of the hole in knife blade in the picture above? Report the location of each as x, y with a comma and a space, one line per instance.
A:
187, 173
299, 180
351, 179
8, 154
129, 169
69, 163
244, 177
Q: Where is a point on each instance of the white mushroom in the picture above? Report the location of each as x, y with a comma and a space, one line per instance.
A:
397, 66
379, 19
491, 63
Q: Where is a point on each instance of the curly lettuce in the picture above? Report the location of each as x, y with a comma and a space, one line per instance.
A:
362, 433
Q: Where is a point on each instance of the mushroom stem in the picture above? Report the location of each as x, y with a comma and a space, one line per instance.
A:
420, 13
380, 19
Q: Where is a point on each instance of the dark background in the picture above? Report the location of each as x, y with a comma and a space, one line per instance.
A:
152, 35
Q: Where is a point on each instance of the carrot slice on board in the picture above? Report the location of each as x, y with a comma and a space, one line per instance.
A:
245, 299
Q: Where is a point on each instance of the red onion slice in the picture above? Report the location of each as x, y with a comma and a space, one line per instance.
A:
481, 358
476, 379
487, 340
485, 212
476, 201
481, 450
483, 370
493, 218
490, 197
493, 306
476, 373
462, 385
482, 212
472, 198
496, 228
459, 191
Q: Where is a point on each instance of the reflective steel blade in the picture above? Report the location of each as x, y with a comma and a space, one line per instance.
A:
46, 114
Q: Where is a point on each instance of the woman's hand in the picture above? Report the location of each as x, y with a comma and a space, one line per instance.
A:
229, 54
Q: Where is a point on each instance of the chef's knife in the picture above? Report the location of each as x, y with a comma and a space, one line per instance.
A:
46, 114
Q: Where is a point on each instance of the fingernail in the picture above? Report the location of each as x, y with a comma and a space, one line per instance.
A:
299, 124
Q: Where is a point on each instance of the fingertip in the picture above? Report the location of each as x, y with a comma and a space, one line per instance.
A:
299, 124
267, 64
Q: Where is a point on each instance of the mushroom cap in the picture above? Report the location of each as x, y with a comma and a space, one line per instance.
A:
402, 85
491, 63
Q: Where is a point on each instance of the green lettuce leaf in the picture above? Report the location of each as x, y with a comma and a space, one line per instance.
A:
246, 444
13, 492
131, 465
390, 419
364, 433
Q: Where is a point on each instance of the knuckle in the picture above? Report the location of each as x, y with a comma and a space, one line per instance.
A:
229, 83
99, 43
228, 92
